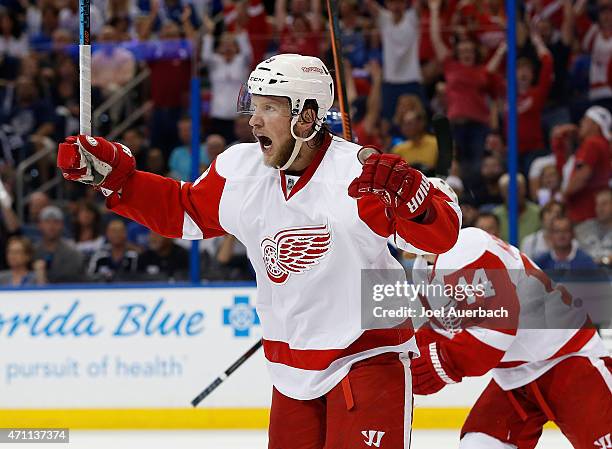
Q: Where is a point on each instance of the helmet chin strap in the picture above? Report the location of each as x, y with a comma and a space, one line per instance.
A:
298, 142
296, 150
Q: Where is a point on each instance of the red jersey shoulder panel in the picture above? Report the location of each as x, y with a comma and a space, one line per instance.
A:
168, 207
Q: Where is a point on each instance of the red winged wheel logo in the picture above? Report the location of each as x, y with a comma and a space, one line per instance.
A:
294, 251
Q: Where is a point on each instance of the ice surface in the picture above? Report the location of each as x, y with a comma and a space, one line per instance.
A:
243, 439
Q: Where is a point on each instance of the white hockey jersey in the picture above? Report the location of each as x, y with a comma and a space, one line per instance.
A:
307, 245
541, 329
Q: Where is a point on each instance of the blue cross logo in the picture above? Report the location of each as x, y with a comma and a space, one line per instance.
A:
241, 316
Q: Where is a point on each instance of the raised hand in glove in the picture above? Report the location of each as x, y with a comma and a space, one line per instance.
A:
402, 188
96, 161
431, 371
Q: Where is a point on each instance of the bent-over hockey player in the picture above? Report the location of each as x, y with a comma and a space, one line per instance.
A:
547, 361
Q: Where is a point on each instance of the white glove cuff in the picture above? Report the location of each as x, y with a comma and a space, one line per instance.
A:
435, 361
97, 170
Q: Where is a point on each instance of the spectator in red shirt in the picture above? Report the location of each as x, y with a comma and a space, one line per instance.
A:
492, 25
549, 10
250, 16
299, 32
469, 83
430, 66
530, 103
531, 100
591, 169
485, 21
170, 63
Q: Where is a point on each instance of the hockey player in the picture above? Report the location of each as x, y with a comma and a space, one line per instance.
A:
311, 217
547, 362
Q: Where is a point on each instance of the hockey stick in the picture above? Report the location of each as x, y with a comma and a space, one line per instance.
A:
219, 380
84, 68
334, 29
444, 138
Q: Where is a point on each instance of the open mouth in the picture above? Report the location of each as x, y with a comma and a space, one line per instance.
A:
265, 142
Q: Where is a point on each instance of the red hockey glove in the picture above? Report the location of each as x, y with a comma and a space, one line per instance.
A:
404, 189
95, 160
431, 371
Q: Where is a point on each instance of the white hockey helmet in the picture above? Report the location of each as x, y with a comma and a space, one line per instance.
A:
443, 186
297, 78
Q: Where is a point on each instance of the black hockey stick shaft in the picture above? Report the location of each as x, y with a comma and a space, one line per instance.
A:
334, 29
219, 380
444, 138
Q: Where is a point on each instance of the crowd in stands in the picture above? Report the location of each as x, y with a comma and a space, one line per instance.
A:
405, 60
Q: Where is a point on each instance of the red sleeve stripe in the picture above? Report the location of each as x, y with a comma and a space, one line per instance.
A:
440, 233
573, 345
164, 215
161, 204
469, 356
321, 359
372, 212
436, 236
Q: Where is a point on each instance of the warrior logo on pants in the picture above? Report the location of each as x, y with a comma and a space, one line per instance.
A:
605, 442
372, 437
294, 251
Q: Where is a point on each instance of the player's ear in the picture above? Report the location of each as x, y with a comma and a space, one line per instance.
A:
306, 122
308, 116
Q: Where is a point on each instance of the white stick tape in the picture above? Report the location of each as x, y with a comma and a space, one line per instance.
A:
85, 89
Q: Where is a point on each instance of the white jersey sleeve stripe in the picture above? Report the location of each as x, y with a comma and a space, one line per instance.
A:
603, 370
457, 210
493, 338
191, 231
